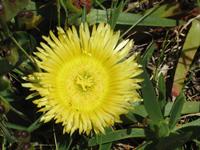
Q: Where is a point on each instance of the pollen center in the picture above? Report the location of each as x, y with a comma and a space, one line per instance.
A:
84, 81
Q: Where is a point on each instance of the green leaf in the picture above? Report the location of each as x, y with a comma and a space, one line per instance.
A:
189, 107
148, 53
158, 130
106, 146
168, 10
192, 41
5, 132
63, 4
163, 129
35, 125
162, 92
84, 13
189, 124
175, 112
65, 142
19, 113
20, 44
173, 141
150, 99
10, 9
198, 3
115, 12
25, 44
138, 110
15, 126
62, 147
97, 16
191, 44
117, 135
180, 136
27, 41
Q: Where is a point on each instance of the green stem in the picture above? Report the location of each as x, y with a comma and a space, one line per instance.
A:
16, 127
55, 139
69, 145
8, 33
19, 46
58, 12
84, 13
140, 20
25, 53
100, 5
35, 125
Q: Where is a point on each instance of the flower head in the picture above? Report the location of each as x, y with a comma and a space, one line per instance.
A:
87, 80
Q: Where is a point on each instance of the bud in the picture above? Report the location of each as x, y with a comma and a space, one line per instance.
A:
33, 21
4, 106
28, 14
21, 14
14, 56
76, 6
26, 146
8, 58
23, 136
87, 4
1, 9
2, 109
29, 19
4, 83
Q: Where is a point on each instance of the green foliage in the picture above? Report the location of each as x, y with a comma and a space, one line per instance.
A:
4, 82
8, 59
150, 99
190, 47
175, 112
162, 92
193, 33
15, 6
115, 12
96, 16
116, 135
106, 146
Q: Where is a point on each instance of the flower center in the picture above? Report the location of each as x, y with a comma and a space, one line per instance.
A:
84, 81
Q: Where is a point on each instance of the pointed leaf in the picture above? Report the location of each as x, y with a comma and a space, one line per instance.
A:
116, 135
189, 124
148, 53
115, 12
150, 99
97, 16
162, 92
175, 112
106, 146
190, 47
192, 41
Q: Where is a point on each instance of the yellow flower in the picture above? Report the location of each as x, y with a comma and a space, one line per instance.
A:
87, 80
